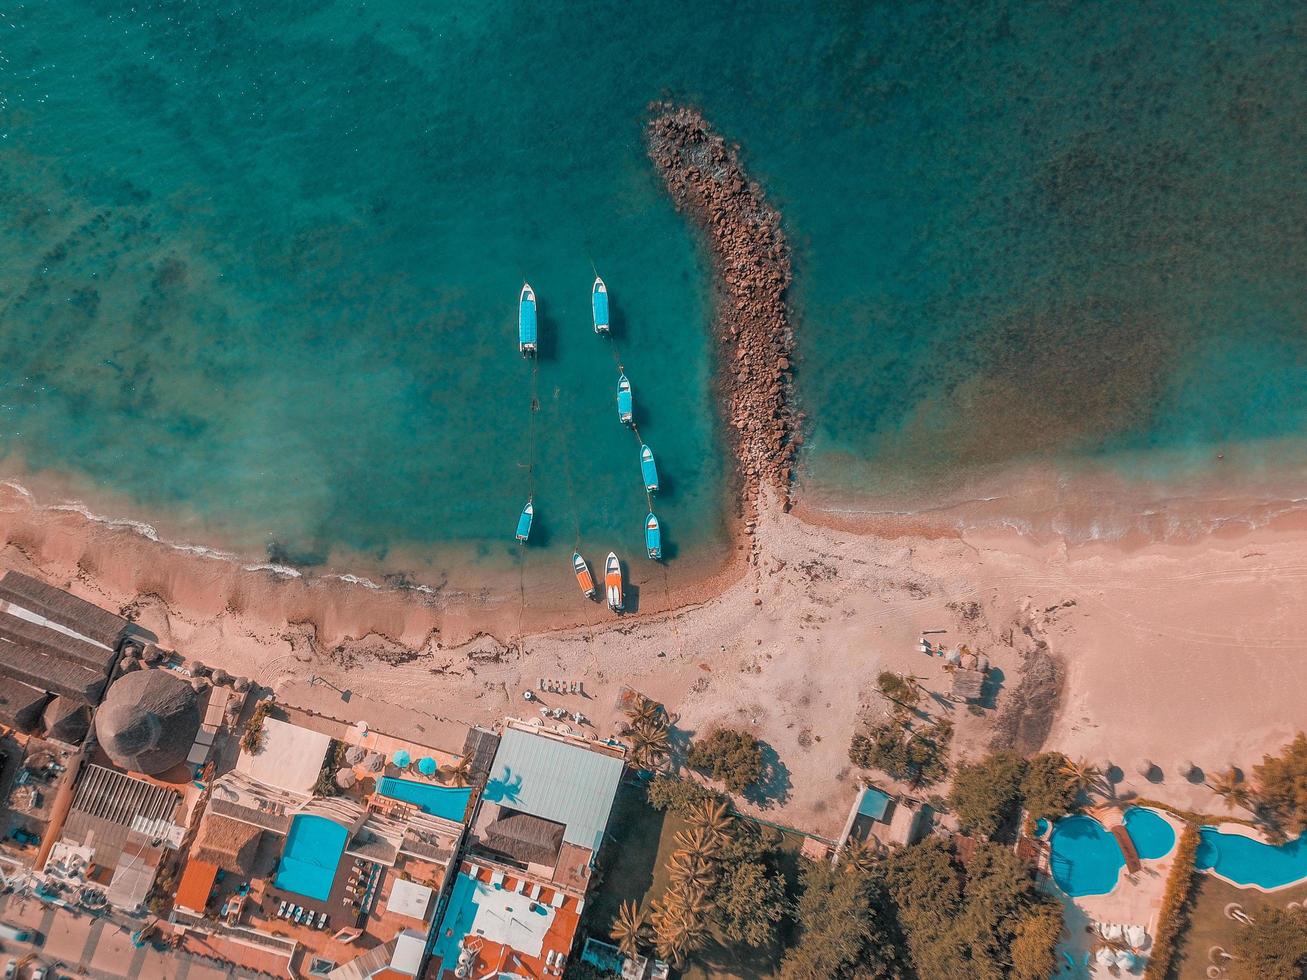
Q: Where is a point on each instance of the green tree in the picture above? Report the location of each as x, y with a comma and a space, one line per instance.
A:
1046, 789
678, 795
926, 890
1230, 788
750, 903
1083, 775
1282, 786
1034, 947
845, 928
986, 794
1274, 947
917, 757
732, 756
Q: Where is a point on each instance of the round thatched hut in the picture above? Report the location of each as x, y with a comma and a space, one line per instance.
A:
148, 721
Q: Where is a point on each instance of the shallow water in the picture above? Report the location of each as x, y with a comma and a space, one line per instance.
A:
259, 267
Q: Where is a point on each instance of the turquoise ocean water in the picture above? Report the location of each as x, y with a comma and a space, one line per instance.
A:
259, 262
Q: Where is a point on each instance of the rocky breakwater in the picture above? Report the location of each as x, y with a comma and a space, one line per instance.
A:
752, 264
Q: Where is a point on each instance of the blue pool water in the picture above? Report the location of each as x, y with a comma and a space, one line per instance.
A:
1152, 835
441, 801
1246, 862
1086, 859
308, 862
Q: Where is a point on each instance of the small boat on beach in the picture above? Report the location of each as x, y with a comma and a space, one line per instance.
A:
599, 304
613, 582
624, 400
583, 578
653, 539
524, 522
649, 470
526, 321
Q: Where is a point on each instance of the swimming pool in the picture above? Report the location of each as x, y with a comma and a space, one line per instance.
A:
1086, 859
1153, 837
1251, 863
309, 859
449, 802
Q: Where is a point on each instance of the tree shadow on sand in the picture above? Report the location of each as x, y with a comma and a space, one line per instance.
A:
773, 787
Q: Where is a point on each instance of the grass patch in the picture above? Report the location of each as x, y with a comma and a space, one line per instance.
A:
1209, 927
634, 868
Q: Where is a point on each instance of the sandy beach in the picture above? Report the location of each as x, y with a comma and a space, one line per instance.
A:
1174, 650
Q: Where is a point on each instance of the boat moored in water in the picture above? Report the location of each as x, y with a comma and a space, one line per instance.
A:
613, 582
648, 468
524, 522
624, 400
583, 578
653, 539
526, 321
599, 305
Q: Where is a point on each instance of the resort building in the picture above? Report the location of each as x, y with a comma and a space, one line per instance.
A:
876, 815
520, 890
316, 845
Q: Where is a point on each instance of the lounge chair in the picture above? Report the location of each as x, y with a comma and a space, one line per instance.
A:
281, 910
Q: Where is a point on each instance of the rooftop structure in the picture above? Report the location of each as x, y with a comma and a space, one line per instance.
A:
148, 721
888, 819
63, 611
556, 780
519, 894
289, 759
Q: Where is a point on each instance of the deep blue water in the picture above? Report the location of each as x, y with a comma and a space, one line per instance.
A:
259, 263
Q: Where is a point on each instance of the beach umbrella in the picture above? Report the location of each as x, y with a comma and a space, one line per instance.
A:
427, 766
401, 758
1146, 768
374, 762
127, 665
345, 778
151, 653
221, 677
199, 684
354, 754
198, 669
241, 684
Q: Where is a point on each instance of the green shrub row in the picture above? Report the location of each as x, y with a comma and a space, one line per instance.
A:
1175, 905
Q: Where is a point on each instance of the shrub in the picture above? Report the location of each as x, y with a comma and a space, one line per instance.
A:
734, 757
1274, 947
1174, 913
1282, 786
252, 739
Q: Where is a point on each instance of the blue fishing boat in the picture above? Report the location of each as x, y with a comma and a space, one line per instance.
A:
624, 400
526, 321
524, 522
649, 470
653, 539
599, 304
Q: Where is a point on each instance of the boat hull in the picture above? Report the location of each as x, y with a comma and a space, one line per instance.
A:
599, 306
613, 583
583, 578
624, 404
526, 322
524, 523
648, 469
653, 538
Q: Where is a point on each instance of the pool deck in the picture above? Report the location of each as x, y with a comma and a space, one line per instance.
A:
1136, 899
489, 925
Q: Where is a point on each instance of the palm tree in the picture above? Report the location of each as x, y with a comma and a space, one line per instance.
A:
1081, 774
712, 816
643, 709
860, 855
628, 928
690, 870
1229, 786
649, 744
459, 773
699, 842
680, 924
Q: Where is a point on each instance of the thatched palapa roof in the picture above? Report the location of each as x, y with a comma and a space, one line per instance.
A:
524, 837
67, 721
52, 661
148, 722
230, 844
20, 704
63, 608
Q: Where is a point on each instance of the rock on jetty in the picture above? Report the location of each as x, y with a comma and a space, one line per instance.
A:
752, 265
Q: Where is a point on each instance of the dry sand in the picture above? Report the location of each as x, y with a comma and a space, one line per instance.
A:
1171, 651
